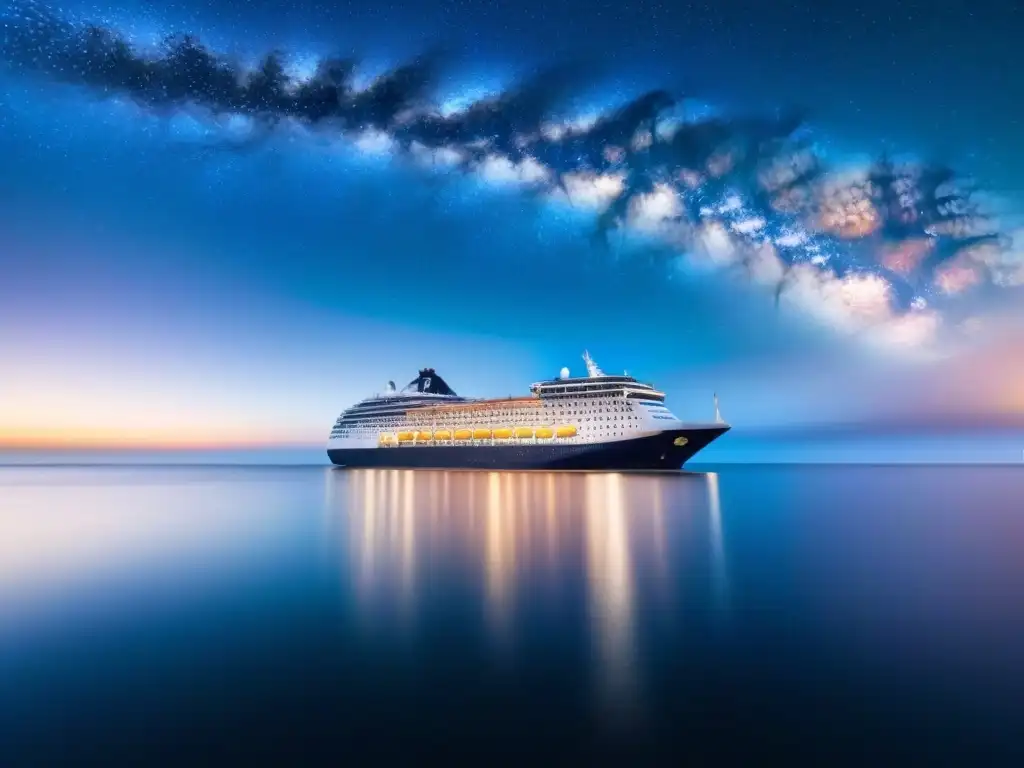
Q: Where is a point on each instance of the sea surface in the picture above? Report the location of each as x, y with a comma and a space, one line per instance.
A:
309, 615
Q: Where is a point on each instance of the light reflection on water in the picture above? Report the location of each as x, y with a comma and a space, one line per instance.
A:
524, 536
610, 584
720, 578
757, 606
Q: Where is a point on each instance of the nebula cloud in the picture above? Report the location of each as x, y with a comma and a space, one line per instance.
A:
880, 251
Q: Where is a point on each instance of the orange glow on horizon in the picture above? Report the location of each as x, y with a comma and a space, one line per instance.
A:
43, 440
994, 373
1012, 399
79, 419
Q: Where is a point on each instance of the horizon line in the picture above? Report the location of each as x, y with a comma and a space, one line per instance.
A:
696, 467
91, 446
809, 432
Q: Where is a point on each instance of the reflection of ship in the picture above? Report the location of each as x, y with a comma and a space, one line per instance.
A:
518, 534
592, 422
516, 541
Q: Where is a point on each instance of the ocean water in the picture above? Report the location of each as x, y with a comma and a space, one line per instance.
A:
310, 615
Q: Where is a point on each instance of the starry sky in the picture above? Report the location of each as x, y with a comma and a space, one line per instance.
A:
223, 222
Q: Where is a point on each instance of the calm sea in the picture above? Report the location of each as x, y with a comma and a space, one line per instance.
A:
308, 615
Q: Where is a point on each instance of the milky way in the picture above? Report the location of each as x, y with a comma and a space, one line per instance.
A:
885, 247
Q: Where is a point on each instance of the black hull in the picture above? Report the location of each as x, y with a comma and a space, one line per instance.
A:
651, 452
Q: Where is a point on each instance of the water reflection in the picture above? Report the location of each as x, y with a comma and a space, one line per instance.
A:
610, 582
861, 605
381, 525
530, 542
71, 533
719, 570
500, 550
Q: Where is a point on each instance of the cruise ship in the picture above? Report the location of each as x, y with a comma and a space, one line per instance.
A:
595, 422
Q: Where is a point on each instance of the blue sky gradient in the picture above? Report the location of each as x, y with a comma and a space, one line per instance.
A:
161, 289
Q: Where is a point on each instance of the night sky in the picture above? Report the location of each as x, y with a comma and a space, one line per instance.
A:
223, 222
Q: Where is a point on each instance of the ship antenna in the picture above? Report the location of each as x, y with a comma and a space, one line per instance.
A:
718, 414
592, 370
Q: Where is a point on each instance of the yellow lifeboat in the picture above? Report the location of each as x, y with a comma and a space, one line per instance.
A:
422, 436
405, 437
524, 431
568, 431
502, 434
442, 434
544, 433
463, 434
481, 434
385, 438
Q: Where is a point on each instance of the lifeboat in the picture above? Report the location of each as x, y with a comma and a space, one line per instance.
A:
502, 434
568, 431
481, 434
422, 436
405, 437
442, 434
385, 438
463, 434
545, 433
524, 431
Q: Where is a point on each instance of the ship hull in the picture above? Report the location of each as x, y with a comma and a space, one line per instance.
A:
658, 451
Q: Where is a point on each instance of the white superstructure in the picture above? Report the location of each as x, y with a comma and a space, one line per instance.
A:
592, 409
